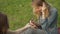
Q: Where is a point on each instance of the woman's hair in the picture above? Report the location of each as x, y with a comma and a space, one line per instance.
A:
40, 3
3, 23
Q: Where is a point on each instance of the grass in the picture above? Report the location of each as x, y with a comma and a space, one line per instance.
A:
19, 12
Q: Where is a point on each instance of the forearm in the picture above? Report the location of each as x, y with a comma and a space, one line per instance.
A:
11, 32
21, 30
18, 31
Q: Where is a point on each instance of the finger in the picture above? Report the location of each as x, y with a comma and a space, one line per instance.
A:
34, 27
32, 24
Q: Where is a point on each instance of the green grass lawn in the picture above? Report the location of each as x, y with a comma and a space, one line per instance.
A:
19, 12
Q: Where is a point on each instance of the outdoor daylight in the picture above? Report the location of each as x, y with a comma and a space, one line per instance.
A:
29, 16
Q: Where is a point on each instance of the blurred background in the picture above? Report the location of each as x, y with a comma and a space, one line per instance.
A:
19, 12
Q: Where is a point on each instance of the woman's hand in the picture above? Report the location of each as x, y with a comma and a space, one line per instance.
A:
33, 25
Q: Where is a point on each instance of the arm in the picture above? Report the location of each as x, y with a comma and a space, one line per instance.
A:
46, 22
18, 31
22, 29
52, 18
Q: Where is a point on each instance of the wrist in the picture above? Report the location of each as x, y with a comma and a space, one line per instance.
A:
27, 26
